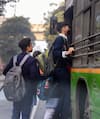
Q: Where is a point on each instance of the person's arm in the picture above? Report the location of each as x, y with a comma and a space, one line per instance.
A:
8, 66
58, 49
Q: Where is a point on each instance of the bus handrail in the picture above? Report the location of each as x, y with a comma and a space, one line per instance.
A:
88, 53
86, 38
86, 46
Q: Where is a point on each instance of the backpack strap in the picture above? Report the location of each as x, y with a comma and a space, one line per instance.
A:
66, 43
14, 60
51, 48
24, 60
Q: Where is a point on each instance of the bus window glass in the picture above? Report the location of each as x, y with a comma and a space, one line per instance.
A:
77, 62
86, 23
86, 29
79, 6
86, 3
97, 30
78, 36
97, 17
78, 28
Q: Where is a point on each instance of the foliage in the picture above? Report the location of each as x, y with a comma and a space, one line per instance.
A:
11, 31
59, 14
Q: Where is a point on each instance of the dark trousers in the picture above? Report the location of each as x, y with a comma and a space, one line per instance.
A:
60, 89
23, 108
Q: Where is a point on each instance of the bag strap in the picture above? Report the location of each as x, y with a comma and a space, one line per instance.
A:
24, 60
14, 60
66, 43
51, 48
1, 88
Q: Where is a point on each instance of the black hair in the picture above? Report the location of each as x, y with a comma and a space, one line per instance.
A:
24, 43
60, 25
36, 53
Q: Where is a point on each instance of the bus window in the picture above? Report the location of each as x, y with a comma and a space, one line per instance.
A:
97, 17
97, 30
77, 62
86, 33
78, 36
86, 3
78, 28
79, 6
86, 23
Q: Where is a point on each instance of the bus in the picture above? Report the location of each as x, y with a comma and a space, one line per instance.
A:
85, 72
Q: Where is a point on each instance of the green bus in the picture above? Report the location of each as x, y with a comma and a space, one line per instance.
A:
85, 72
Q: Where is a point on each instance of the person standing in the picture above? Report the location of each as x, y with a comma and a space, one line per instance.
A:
30, 74
58, 105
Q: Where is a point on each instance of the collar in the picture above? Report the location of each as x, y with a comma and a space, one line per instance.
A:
64, 36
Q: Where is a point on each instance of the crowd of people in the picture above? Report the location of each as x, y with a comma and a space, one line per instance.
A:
58, 102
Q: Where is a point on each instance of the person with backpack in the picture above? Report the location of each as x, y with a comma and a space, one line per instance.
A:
58, 104
30, 75
42, 86
35, 54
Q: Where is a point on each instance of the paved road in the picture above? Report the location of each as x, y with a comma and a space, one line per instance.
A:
6, 107
39, 114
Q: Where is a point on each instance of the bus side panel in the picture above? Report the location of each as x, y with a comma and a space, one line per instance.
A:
93, 87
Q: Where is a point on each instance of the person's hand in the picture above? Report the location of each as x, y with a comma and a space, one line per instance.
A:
70, 51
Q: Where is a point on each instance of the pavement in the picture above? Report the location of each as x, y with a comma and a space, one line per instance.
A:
6, 106
40, 110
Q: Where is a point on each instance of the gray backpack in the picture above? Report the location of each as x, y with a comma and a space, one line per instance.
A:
14, 85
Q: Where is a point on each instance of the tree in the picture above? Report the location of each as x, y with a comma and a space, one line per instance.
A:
3, 4
57, 13
11, 31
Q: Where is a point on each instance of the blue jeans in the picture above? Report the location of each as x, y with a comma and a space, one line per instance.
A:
23, 107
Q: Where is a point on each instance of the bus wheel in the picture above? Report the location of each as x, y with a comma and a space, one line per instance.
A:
82, 101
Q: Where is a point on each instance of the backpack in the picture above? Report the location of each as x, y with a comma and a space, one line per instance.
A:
14, 85
46, 62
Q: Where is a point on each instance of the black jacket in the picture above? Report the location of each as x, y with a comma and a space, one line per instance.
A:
60, 44
30, 71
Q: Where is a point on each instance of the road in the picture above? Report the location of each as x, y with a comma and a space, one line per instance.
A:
39, 114
6, 107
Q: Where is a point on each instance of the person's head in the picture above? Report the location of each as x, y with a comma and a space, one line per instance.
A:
63, 27
25, 45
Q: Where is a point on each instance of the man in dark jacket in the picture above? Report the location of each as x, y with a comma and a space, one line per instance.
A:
31, 74
58, 106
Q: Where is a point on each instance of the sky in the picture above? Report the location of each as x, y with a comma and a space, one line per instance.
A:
32, 9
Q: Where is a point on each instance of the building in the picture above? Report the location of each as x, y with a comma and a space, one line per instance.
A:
38, 30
